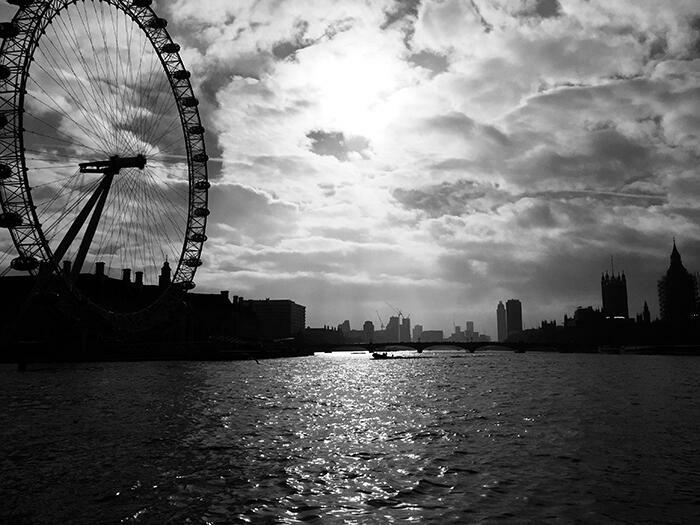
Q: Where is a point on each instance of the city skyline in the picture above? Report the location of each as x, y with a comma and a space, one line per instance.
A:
443, 155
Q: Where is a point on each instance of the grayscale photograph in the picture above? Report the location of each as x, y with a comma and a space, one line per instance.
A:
349, 262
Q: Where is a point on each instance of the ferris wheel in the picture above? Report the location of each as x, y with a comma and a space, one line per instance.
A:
102, 155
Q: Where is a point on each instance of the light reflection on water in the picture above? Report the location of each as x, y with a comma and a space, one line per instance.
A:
340, 438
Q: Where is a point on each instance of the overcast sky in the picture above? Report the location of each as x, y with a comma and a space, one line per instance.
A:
446, 154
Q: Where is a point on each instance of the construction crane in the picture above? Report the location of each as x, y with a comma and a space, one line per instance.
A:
380, 319
398, 312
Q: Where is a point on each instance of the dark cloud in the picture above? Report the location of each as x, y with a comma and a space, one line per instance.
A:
460, 198
484, 23
434, 62
249, 212
548, 8
287, 48
336, 144
400, 10
538, 215
460, 124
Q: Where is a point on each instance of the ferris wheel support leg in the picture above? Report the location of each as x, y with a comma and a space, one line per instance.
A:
92, 225
77, 224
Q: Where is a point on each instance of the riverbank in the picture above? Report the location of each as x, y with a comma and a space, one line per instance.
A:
31, 352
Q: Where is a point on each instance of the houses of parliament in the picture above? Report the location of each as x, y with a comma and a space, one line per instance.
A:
612, 324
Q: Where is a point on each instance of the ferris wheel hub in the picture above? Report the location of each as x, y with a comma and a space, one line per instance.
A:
113, 165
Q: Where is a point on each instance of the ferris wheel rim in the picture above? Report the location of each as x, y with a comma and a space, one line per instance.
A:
21, 40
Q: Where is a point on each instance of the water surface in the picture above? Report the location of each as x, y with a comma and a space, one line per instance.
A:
340, 438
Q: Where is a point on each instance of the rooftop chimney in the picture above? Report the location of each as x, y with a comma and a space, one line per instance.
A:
126, 275
138, 278
224, 293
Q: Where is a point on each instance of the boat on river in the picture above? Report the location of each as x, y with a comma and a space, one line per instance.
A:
384, 356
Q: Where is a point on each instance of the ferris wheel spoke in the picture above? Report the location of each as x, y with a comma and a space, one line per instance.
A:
64, 141
122, 74
170, 129
93, 95
58, 218
57, 108
112, 66
166, 205
96, 74
80, 126
161, 104
61, 81
63, 114
50, 155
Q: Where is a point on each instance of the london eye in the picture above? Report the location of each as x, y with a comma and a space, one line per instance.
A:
103, 166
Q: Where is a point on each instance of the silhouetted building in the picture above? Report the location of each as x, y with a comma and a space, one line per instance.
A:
368, 331
677, 291
405, 330
458, 335
501, 321
278, 318
430, 336
325, 335
344, 327
164, 278
209, 315
588, 317
514, 316
614, 291
392, 330
645, 316
417, 332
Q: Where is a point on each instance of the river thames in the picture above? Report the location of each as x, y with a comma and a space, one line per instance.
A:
491, 437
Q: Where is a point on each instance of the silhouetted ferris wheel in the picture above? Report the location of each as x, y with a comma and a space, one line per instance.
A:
102, 155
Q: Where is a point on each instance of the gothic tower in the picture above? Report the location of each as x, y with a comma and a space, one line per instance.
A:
614, 291
678, 291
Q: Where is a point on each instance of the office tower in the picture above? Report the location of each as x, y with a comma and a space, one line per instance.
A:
392, 330
514, 316
405, 330
368, 331
417, 332
501, 321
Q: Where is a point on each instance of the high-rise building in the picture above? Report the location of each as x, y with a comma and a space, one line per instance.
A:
392, 330
405, 330
678, 291
514, 316
501, 321
417, 332
614, 291
469, 327
368, 331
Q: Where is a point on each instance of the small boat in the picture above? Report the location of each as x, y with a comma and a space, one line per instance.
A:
377, 355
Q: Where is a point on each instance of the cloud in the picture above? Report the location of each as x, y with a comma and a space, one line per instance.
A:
335, 144
445, 154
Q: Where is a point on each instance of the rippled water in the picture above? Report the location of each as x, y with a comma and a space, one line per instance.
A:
339, 438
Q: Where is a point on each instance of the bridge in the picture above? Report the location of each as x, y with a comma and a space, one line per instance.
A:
419, 346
